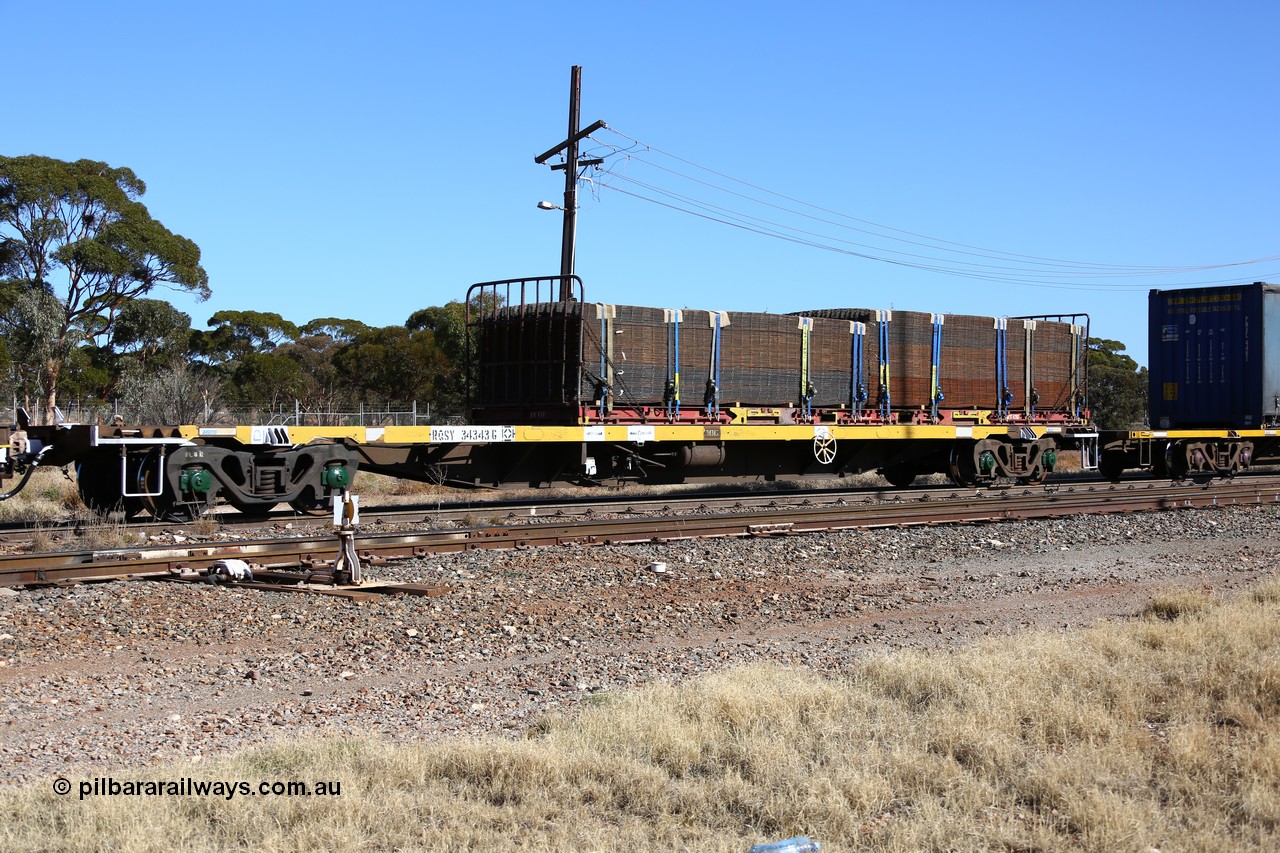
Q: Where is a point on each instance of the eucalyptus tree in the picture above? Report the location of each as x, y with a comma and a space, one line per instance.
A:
151, 334
181, 394
236, 334
268, 380
30, 322
317, 344
392, 365
1117, 386
78, 231
448, 326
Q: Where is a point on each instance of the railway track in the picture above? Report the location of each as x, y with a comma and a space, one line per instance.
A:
310, 561
470, 513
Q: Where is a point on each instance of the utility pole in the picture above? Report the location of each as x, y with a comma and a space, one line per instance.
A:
571, 167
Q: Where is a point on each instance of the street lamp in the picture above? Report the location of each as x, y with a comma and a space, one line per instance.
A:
568, 249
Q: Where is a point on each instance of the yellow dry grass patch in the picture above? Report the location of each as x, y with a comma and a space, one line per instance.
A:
1161, 732
49, 495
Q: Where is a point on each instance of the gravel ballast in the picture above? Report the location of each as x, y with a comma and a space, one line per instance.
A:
107, 676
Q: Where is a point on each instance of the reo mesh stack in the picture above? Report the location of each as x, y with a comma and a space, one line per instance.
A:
550, 358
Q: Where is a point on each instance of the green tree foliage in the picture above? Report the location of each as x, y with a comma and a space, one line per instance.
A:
89, 376
157, 369
9, 258
30, 323
1117, 386
78, 230
236, 334
448, 326
268, 379
181, 394
392, 364
10, 291
150, 334
335, 329
325, 389
448, 323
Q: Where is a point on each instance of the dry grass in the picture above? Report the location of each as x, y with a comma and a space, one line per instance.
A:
49, 496
1177, 603
206, 525
93, 533
1157, 733
388, 489
103, 534
90, 532
1068, 462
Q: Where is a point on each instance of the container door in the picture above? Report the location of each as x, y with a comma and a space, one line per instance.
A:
1270, 403
1206, 357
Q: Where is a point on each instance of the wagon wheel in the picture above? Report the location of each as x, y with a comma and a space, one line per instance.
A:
1111, 465
166, 506
899, 476
962, 469
824, 450
309, 502
98, 479
1037, 476
1175, 462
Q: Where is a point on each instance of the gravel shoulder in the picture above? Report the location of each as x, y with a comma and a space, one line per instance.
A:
102, 677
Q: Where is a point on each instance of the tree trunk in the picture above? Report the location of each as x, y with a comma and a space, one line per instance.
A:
52, 370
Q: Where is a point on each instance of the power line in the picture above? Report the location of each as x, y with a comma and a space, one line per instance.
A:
1031, 270
1056, 284
742, 216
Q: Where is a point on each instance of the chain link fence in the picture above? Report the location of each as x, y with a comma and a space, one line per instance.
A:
93, 411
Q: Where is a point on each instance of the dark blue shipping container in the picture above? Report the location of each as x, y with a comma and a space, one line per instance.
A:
1215, 357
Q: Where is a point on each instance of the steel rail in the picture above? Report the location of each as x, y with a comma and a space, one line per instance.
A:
523, 510
311, 559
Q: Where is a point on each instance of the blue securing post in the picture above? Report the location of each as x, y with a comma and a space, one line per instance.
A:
882, 318
935, 395
806, 386
1078, 358
604, 388
711, 396
1004, 397
676, 325
857, 391
716, 402
671, 395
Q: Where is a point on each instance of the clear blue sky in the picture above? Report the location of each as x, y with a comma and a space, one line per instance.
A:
367, 160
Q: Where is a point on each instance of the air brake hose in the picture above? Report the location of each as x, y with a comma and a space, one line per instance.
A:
35, 463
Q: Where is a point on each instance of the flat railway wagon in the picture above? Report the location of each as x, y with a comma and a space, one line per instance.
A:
1214, 385
669, 395
567, 391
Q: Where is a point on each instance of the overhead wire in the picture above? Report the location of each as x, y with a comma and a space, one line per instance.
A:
1024, 281
742, 216
1031, 270
979, 249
